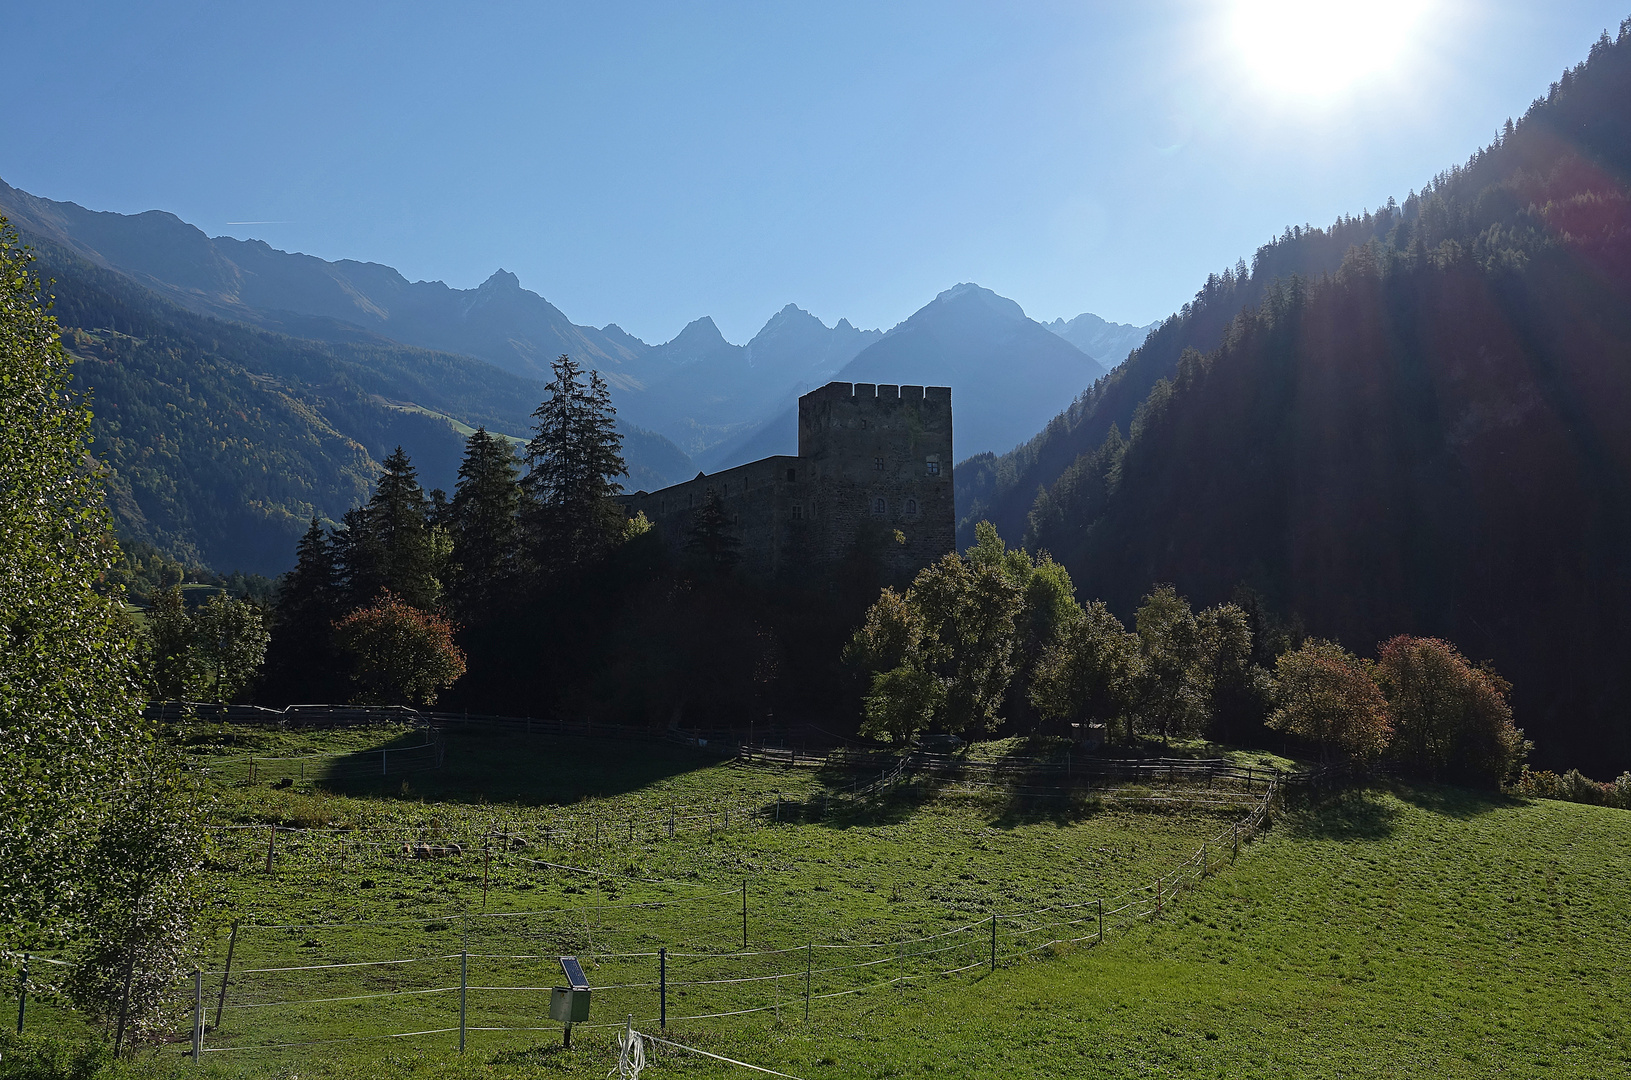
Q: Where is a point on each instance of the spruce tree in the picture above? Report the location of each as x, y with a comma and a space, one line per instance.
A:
486, 531
712, 543
390, 544
573, 462
301, 661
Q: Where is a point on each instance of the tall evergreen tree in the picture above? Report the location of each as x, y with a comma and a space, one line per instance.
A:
712, 543
391, 545
486, 532
573, 463
301, 660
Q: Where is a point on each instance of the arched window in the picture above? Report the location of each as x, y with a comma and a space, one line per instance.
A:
879, 507
911, 506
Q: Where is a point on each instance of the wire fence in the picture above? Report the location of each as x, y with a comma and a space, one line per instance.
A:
282, 985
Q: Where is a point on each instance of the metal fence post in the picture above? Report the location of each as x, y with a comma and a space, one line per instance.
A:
744, 914
662, 989
809, 961
1100, 905
993, 941
198, 1015
464, 984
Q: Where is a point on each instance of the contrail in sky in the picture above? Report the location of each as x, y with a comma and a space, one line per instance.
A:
260, 223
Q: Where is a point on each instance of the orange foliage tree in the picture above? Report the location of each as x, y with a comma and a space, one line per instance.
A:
1325, 694
399, 654
1450, 719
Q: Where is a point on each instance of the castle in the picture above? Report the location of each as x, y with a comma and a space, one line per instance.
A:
873, 462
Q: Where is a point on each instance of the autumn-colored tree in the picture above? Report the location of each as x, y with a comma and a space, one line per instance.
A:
1325, 695
399, 654
1450, 719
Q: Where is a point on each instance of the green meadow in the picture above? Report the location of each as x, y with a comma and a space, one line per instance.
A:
1403, 930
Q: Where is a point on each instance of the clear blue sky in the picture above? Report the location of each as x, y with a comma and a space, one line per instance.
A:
646, 164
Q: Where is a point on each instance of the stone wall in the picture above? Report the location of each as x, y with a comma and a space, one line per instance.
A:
873, 461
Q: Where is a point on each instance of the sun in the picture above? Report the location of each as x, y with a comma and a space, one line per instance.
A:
1313, 50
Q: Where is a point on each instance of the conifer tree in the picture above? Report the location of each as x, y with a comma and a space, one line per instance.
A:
486, 531
712, 542
301, 660
391, 544
573, 463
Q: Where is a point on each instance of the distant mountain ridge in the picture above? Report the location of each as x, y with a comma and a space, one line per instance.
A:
1008, 373
705, 394
709, 387
1107, 342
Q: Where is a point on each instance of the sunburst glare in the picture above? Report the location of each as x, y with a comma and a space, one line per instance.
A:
1312, 50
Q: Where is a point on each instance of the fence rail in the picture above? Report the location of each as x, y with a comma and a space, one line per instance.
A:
487, 984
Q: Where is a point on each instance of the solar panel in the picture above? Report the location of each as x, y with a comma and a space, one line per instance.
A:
574, 973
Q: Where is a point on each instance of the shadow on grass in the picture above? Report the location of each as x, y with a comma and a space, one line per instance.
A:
503, 767
1355, 814
1455, 802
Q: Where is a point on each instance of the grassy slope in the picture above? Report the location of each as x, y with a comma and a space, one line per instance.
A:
1408, 932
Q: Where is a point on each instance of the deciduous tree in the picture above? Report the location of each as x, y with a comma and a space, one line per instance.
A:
1089, 672
75, 756
1325, 695
400, 655
1450, 719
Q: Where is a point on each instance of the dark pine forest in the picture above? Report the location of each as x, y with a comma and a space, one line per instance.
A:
1411, 422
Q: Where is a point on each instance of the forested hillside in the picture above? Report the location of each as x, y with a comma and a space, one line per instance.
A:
1431, 439
222, 441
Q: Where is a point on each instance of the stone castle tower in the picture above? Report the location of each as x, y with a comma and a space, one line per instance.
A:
873, 461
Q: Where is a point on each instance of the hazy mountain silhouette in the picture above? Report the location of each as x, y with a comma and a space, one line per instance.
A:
713, 390
1008, 373
250, 281
1107, 342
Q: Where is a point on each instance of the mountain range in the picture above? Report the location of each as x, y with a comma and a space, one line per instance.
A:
698, 390
352, 356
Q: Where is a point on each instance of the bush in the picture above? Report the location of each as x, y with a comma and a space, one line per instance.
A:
1574, 786
36, 1057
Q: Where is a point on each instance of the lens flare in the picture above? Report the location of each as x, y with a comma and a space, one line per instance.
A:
1314, 49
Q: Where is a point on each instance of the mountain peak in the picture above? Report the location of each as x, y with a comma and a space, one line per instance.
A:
502, 279
700, 333
968, 294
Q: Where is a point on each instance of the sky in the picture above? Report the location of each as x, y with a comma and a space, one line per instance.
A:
648, 164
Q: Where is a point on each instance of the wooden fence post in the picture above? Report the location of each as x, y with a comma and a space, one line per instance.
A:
662, 988
809, 960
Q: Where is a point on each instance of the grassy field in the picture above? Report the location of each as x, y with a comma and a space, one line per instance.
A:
1406, 931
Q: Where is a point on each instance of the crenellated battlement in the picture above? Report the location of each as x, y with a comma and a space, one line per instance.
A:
874, 460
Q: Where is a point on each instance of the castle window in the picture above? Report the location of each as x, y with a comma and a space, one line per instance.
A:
932, 467
877, 464
911, 506
792, 475
798, 511
878, 506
